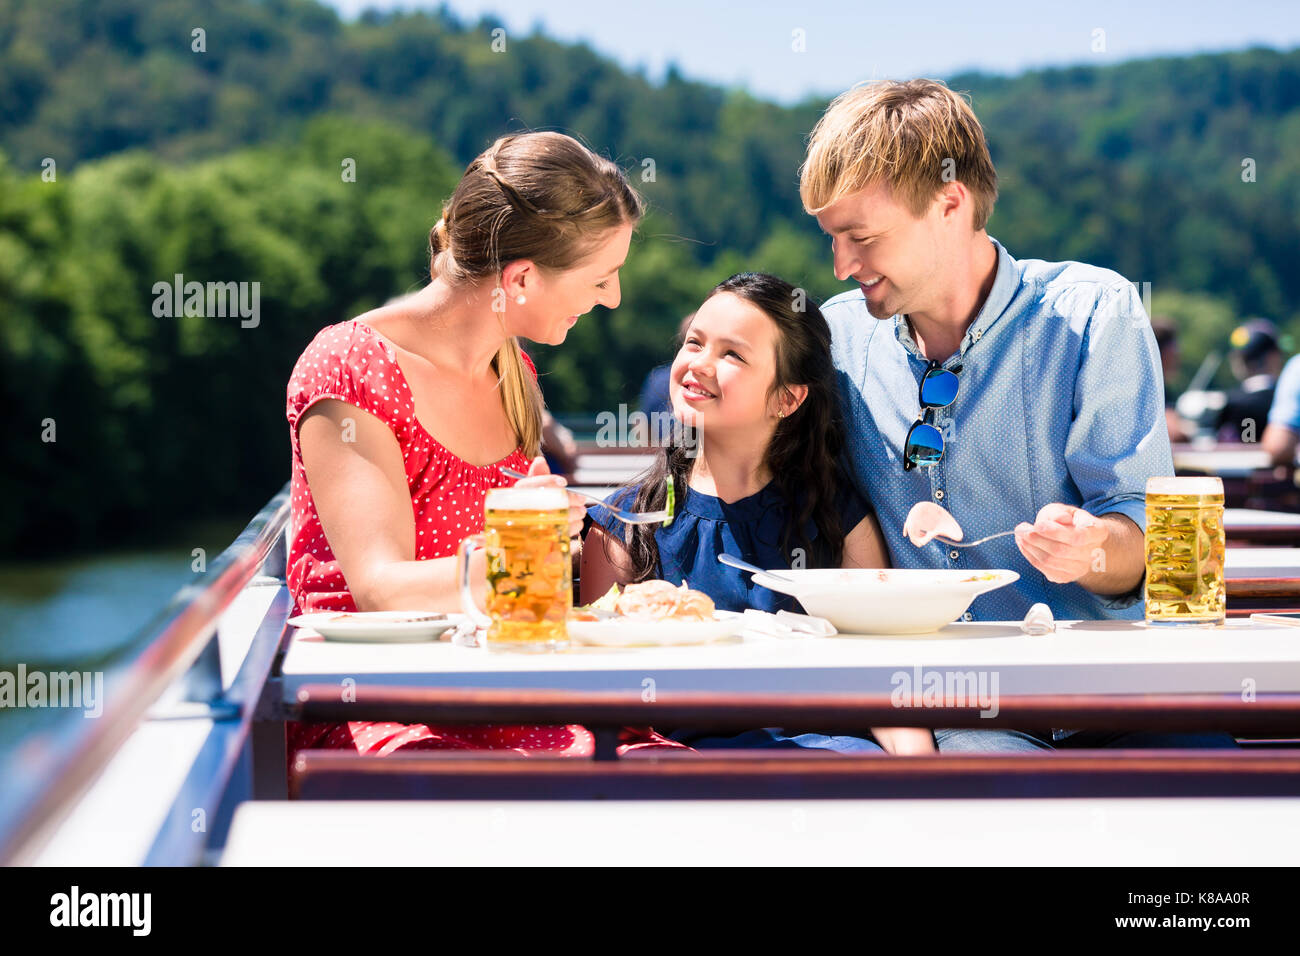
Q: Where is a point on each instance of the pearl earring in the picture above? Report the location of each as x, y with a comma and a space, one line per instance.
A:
520, 299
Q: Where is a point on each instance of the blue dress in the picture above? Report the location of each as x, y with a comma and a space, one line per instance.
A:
705, 527
750, 528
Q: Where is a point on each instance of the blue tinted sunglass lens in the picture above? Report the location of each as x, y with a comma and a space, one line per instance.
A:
924, 444
938, 388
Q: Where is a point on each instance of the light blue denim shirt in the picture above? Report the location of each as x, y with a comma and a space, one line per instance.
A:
1286, 397
1060, 399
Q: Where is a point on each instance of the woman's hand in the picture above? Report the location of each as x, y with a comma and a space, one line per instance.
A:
539, 476
902, 741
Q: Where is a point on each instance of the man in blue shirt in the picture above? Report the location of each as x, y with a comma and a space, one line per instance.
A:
1058, 417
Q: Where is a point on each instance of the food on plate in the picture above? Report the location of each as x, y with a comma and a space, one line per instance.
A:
607, 600
657, 600
598, 609
989, 576
649, 601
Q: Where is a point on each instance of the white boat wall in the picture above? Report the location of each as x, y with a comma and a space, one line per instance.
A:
186, 731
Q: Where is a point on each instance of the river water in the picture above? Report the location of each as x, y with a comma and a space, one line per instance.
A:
76, 609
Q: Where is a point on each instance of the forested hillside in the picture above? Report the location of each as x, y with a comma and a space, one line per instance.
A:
128, 156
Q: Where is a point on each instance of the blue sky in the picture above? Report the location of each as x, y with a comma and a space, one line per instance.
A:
749, 43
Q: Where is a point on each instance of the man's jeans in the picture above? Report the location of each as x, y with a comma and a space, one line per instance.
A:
957, 741
1019, 741
776, 738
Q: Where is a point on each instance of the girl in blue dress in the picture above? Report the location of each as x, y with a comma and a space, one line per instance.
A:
758, 472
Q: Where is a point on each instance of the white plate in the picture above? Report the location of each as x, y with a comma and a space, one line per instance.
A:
889, 601
630, 632
378, 627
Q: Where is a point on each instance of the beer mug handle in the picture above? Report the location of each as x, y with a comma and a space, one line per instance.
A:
467, 547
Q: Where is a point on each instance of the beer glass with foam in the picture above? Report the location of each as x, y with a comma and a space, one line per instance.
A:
1185, 550
529, 569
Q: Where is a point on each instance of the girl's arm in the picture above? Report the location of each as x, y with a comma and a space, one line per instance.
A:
865, 548
605, 562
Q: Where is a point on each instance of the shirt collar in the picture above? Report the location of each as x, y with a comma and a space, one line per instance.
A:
1005, 282
751, 508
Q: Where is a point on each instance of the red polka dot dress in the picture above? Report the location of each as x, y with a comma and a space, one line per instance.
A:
351, 363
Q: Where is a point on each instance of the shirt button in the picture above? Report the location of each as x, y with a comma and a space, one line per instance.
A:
954, 555
968, 616
938, 495
978, 334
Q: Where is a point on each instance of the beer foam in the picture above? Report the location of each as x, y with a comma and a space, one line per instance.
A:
1202, 485
527, 499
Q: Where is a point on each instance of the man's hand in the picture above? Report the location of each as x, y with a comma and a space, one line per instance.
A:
1064, 542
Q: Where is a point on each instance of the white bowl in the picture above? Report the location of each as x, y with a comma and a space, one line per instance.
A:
890, 601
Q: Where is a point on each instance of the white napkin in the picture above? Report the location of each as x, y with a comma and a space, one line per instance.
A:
787, 624
1039, 621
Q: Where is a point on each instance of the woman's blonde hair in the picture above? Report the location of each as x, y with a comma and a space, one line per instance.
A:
913, 136
538, 196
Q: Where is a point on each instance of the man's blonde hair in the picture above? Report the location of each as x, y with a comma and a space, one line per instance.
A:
913, 136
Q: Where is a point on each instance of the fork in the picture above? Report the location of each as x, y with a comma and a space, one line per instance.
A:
630, 517
968, 544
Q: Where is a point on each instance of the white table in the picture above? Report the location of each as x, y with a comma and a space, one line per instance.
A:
1251, 526
600, 491
611, 469
1102, 657
1226, 463
1254, 518
1262, 563
1243, 831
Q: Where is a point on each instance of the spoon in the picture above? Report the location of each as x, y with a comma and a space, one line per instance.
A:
928, 521
736, 562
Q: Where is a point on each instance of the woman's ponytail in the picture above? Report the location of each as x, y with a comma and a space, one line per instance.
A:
520, 396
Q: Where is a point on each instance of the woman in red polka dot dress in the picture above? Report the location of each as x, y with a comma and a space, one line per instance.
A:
400, 419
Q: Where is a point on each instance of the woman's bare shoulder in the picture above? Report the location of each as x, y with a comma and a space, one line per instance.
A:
393, 320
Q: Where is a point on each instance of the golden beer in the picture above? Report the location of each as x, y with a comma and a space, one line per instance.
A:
1185, 550
529, 568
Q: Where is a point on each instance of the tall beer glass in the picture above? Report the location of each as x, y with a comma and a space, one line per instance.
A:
1185, 549
529, 569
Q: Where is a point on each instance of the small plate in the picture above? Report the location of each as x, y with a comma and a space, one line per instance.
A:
629, 632
378, 627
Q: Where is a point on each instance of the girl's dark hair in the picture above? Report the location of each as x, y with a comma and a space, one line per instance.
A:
804, 455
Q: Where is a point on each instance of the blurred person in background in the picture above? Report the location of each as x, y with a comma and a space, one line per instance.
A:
1167, 340
1256, 358
558, 445
1283, 431
654, 390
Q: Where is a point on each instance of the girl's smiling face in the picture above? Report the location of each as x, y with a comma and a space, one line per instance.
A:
722, 376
